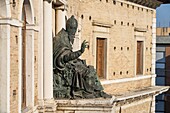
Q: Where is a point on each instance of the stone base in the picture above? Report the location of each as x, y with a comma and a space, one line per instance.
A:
47, 106
99, 105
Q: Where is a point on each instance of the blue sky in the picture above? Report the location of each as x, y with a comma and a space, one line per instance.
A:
163, 16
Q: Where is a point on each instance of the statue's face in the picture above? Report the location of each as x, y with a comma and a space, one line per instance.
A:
71, 32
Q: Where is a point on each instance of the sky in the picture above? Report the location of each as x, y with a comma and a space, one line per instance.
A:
163, 15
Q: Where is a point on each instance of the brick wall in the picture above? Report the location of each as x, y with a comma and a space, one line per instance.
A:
124, 87
36, 68
124, 16
14, 71
139, 106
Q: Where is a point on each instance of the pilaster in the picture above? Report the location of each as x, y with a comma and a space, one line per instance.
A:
153, 47
60, 17
4, 67
47, 51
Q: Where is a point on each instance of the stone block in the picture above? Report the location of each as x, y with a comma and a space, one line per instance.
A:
98, 105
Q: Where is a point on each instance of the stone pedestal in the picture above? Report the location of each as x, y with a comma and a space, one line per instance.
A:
98, 105
49, 106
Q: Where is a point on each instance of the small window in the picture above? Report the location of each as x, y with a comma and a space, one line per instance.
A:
133, 7
121, 48
147, 69
82, 16
132, 24
114, 21
114, 2
121, 22
89, 17
127, 72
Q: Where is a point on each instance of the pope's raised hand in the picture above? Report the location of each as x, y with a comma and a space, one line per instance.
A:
84, 45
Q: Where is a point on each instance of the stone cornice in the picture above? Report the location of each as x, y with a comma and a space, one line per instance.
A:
32, 27
140, 94
101, 24
140, 29
11, 21
59, 3
49, 1
148, 3
63, 7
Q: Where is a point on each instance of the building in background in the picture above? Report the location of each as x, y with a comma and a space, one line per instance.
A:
163, 68
122, 47
163, 31
162, 56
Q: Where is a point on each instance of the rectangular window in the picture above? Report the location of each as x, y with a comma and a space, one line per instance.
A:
139, 59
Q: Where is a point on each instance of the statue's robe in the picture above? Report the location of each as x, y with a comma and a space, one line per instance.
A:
84, 81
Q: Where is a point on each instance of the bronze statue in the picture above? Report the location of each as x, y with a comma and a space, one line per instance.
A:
72, 77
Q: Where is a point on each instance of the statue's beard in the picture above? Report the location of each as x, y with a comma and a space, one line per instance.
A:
71, 38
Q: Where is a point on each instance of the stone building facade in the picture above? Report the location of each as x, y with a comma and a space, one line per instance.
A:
122, 45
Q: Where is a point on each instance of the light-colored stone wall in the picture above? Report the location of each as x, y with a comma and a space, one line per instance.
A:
14, 71
4, 68
36, 68
125, 87
139, 106
15, 58
123, 18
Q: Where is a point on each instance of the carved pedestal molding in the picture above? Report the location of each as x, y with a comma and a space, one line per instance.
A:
98, 105
49, 106
40, 107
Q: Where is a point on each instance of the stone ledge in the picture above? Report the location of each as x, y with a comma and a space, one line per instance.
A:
123, 80
98, 105
86, 102
101, 105
101, 24
11, 21
155, 90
